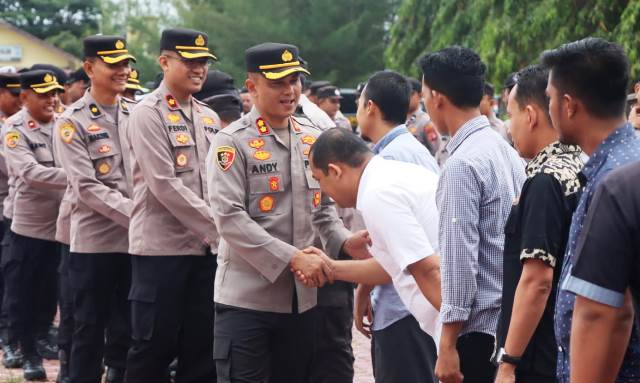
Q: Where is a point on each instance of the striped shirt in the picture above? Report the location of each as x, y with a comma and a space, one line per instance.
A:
478, 185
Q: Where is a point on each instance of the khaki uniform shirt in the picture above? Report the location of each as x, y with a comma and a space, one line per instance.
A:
4, 171
39, 184
266, 206
95, 155
168, 150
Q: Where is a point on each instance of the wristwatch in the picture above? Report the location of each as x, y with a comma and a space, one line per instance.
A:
503, 357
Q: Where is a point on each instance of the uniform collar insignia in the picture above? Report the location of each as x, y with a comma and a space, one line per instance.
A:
172, 103
95, 111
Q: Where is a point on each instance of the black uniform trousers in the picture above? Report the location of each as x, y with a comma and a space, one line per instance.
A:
100, 283
31, 284
65, 328
333, 360
171, 316
4, 249
402, 352
259, 347
475, 350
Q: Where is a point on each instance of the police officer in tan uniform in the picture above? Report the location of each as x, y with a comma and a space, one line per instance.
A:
94, 152
9, 105
267, 206
31, 268
171, 228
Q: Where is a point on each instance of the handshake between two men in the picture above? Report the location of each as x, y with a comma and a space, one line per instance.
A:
314, 268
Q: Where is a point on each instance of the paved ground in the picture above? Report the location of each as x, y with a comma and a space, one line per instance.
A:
361, 348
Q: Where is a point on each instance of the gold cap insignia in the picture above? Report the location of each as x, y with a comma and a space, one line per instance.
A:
287, 56
134, 74
119, 44
48, 78
199, 41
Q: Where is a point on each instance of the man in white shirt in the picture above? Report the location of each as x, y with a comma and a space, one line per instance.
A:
397, 202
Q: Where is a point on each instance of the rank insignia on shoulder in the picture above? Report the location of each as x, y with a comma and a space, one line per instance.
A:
256, 143
263, 128
181, 160
67, 130
104, 168
182, 138
93, 128
266, 204
262, 155
11, 139
124, 106
104, 149
274, 183
207, 120
225, 155
171, 102
95, 112
173, 117
306, 151
317, 197
31, 124
309, 140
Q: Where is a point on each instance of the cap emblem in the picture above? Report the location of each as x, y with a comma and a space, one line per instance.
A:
199, 41
119, 44
48, 78
287, 56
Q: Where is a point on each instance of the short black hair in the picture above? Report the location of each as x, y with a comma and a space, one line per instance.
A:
456, 72
532, 87
391, 92
338, 145
416, 86
509, 82
593, 70
489, 90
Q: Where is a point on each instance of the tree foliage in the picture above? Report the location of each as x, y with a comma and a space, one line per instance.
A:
60, 22
343, 41
508, 34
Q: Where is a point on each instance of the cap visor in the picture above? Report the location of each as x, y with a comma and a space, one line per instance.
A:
197, 55
48, 89
137, 87
284, 73
117, 59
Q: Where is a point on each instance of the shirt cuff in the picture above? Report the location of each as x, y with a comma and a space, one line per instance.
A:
592, 291
539, 254
452, 314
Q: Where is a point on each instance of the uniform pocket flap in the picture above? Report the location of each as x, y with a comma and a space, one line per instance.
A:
221, 347
102, 149
142, 293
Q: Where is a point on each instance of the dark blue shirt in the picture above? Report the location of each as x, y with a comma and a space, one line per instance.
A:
619, 148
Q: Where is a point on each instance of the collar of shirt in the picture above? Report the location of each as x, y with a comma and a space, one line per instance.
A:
599, 157
550, 151
364, 178
467, 129
390, 136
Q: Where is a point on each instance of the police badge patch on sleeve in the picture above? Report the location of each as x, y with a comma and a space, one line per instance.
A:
225, 155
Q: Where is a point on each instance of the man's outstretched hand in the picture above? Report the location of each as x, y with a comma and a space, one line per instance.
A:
312, 267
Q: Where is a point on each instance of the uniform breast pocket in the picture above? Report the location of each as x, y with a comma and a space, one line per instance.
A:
106, 159
314, 195
43, 155
265, 195
184, 153
512, 234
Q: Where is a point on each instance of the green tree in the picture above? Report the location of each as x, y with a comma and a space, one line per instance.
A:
342, 41
508, 34
60, 22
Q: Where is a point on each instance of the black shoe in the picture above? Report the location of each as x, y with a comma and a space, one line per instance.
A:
114, 375
47, 350
12, 357
33, 369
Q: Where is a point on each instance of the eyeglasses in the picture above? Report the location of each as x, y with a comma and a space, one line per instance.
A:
193, 63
